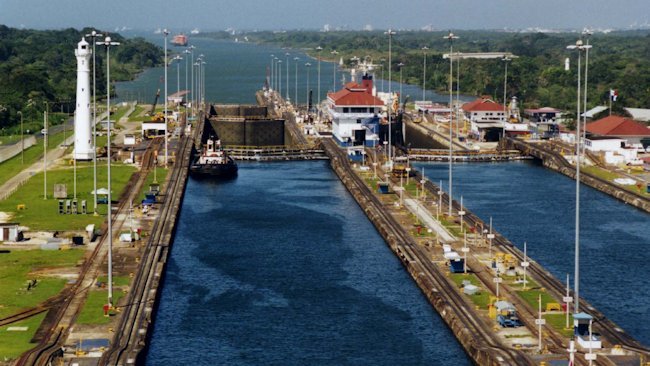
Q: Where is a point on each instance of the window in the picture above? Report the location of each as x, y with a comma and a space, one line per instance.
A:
346, 110
358, 120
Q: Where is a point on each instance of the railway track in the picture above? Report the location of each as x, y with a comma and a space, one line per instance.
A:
134, 322
553, 286
431, 280
52, 342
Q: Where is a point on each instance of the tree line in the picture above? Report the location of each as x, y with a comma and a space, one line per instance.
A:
39, 67
618, 60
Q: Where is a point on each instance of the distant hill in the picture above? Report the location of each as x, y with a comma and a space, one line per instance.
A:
40, 66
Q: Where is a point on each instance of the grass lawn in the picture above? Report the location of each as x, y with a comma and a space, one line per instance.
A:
481, 298
43, 214
10, 167
9, 139
558, 322
531, 297
117, 280
161, 174
601, 173
14, 343
93, 309
15, 268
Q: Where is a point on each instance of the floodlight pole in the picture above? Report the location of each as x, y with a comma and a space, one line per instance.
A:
108, 43
451, 38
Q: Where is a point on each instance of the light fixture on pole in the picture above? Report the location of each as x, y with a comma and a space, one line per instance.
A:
334, 53
22, 140
424, 72
307, 100
94, 35
295, 101
319, 49
390, 34
586, 33
450, 37
45, 152
401, 66
166, 33
191, 99
505, 60
178, 58
272, 86
579, 46
108, 43
280, 79
287, 81
187, 59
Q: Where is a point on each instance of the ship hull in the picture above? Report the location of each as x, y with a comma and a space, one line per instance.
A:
218, 171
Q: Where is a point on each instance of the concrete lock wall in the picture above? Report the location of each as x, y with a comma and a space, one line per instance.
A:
249, 133
230, 132
264, 133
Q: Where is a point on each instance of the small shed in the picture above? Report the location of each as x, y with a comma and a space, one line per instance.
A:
581, 324
10, 231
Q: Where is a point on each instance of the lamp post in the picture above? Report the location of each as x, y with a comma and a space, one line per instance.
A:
22, 141
192, 80
319, 49
579, 46
108, 43
178, 58
45, 152
166, 33
390, 34
272, 72
586, 33
307, 100
424, 72
451, 38
296, 59
280, 78
334, 53
382, 73
187, 58
203, 63
94, 35
400, 65
287, 81
505, 60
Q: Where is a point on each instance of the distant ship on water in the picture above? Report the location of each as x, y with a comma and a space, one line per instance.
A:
179, 40
195, 31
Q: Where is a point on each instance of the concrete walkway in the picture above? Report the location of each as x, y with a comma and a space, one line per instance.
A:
425, 217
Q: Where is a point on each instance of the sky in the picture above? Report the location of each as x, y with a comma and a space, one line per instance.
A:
315, 14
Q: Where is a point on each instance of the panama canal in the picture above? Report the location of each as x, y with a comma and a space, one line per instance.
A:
312, 283
529, 203
234, 291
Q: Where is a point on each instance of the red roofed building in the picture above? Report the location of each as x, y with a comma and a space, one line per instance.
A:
621, 127
486, 118
349, 107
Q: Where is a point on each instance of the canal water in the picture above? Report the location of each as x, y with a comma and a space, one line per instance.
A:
281, 267
529, 203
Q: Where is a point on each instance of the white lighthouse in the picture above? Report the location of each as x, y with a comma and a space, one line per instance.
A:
84, 149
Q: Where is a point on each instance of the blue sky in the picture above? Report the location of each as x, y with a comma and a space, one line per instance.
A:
312, 14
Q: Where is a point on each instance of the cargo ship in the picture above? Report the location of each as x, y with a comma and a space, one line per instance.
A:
179, 40
213, 162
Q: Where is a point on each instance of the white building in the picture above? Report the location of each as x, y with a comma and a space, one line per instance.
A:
486, 118
351, 106
613, 149
83, 146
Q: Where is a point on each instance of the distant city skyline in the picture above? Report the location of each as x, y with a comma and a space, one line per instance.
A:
209, 15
